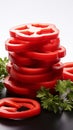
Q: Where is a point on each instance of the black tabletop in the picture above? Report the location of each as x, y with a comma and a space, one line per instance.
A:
45, 121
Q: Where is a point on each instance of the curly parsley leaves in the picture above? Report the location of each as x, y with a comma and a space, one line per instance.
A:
61, 100
3, 72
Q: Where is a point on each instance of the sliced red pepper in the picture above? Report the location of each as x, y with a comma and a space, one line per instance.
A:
35, 62
68, 65
48, 56
26, 89
49, 64
61, 51
17, 88
22, 61
19, 60
68, 74
30, 78
34, 32
52, 45
36, 78
68, 71
15, 45
15, 112
27, 70
8, 66
57, 66
30, 71
48, 84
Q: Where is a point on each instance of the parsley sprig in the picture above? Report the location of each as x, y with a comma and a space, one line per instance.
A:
3, 72
61, 100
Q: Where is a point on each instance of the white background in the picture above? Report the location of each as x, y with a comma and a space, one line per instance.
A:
58, 12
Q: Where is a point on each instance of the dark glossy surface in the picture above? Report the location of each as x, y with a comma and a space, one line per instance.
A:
44, 121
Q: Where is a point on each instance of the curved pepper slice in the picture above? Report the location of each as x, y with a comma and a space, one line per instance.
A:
15, 45
47, 56
19, 89
58, 68
26, 70
29, 90
61, 52
68, 65
8, 66
15, 87
19, 60
12, 108
24, 78
34, 32
68, 71
48, 84
52, 45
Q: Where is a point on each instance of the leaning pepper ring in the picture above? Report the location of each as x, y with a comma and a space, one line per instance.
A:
68, 71
12, 108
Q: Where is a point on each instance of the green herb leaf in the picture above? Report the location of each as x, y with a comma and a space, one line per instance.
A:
3, 71
63, 100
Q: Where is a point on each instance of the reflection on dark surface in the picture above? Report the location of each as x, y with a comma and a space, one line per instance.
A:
44, 121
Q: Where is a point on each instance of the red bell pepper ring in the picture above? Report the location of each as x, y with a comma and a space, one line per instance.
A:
30, 70
48, 84
48, 56
26, 70
41, 69
52, 45
28, 62
48, 63
68, 71
19, 89
58, 68
20, 60
34, 32
15, 87
24, 78
61, 52
68, 65
15, 45
8, 66
11, 108
29, 90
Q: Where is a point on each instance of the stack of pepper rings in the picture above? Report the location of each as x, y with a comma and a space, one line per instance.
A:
34, 52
